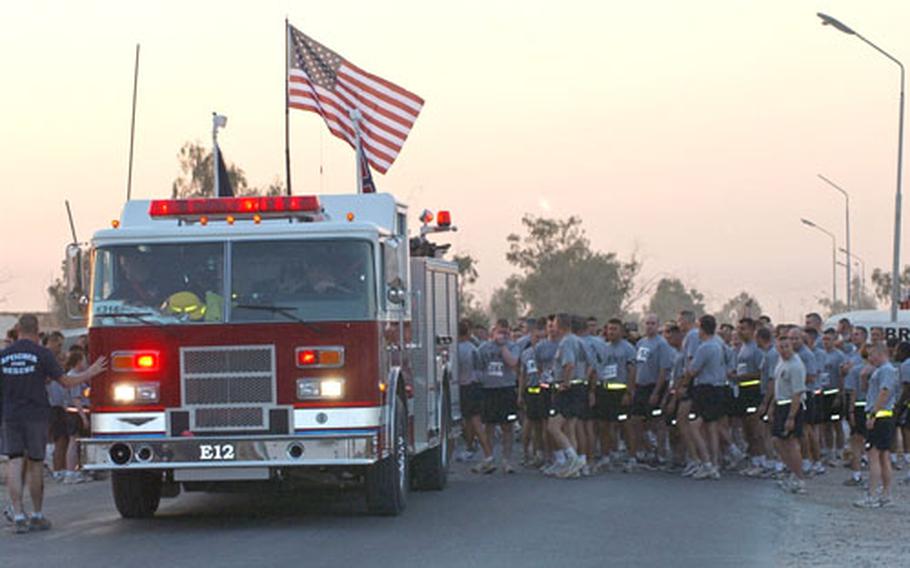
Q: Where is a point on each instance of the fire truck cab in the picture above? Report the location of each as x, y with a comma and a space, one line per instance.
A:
270, 341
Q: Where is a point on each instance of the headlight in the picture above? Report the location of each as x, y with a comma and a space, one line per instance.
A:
130, 393
308, 389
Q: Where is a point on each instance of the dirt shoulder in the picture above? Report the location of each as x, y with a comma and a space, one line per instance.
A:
827, 530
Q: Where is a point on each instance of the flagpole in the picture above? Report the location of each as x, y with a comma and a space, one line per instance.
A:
129, 175
358, 148
217, 187
287, 130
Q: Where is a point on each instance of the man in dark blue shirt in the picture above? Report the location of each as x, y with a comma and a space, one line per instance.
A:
25, 368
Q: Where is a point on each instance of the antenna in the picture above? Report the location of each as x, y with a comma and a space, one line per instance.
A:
69, 213
129, 175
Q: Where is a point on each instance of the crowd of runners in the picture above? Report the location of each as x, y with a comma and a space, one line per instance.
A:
688, 396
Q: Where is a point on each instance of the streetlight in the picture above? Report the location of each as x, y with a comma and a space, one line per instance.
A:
862, 264
847, 236
809, 223
895, 273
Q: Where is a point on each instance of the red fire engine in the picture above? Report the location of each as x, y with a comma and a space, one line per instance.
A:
269, 341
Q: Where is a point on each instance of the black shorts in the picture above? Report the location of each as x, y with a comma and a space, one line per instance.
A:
815, 409
829, 409
641, 404
471, 399
61, 425
903, 417
729, 400
748, 401
571, 403
881, 437
779, 428
858, 428
608, 403
25, 438
537, 403
500, 406
709, 402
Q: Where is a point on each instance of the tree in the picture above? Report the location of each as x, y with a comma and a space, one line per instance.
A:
196, 178
467, 276
559, 272
670, 297
739, 306
881, 282
862, 300
505, 301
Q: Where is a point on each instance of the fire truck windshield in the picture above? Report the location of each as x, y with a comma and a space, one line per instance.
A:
319, 280
309, 280
164, 283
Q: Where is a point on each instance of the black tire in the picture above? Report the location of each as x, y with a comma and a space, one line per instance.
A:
388, 480
136, 493
431, 468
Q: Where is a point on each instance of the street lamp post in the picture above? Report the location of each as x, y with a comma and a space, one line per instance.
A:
846, 236
809, 223
895, 272
862, 274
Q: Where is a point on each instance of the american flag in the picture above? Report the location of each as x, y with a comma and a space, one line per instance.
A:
321, 81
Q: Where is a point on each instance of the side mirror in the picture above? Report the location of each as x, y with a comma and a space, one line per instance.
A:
76, 275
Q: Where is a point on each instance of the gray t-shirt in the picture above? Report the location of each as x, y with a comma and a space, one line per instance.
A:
588, 342
748, 362
829, 378
545, 351
789, 378
528, 362
679, 366
768, 364
905, 372
468, 363
652, 354
708, 364
690, 344
808, 359
883, 378
571, 352
496, 372
851, 380
616, 359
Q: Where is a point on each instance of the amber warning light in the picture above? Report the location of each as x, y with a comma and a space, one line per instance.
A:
141, 361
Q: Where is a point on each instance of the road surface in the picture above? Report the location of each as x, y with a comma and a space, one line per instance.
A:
521, 520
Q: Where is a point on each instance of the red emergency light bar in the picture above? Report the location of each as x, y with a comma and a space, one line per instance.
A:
234, 206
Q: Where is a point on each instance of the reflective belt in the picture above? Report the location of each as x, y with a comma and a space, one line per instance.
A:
533, 390
884, 414
656, 412
578, 382
784, 402
831, 391
614, 386
860, 404
753, 383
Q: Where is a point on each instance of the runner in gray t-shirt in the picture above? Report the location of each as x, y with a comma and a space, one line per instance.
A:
880, 400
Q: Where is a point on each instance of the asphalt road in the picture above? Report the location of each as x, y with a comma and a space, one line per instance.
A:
522, 520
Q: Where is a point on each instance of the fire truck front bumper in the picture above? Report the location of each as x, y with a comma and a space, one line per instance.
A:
351, 448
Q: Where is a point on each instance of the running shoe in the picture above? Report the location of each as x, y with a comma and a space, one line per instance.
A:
868, 502
853, 482
38, 523
572, 468
690, 469
485, 467
20, 525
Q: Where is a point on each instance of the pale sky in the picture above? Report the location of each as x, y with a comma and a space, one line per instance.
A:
691, 132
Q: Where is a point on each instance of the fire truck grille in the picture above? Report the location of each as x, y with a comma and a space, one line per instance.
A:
234, 418
228, 388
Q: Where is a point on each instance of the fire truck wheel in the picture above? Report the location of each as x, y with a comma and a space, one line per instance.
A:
136, 493
431, 468
388, 480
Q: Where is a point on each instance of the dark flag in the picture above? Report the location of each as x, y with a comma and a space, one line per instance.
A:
223, 182
366, 178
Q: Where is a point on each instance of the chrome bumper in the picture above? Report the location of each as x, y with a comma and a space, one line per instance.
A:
232, 452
